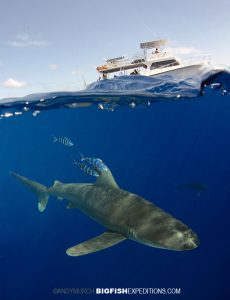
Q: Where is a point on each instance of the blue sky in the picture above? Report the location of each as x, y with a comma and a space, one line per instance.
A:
48, 45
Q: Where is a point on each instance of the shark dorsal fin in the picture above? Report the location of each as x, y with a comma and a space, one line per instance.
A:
57, 183
106, 179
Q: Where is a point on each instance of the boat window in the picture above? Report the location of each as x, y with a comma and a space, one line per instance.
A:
139, 60
164, 64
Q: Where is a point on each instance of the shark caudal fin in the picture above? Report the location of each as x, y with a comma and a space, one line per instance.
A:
40, 190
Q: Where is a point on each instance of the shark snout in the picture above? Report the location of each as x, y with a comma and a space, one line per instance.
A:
180, 240
191, 241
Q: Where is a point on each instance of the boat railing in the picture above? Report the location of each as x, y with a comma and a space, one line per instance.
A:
153, 55
201, 58
118, 63
141, 57
136, 58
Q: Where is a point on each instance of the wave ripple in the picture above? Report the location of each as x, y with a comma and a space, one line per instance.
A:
121, 91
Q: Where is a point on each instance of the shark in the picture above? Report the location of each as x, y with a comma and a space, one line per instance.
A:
124, 215
194, 185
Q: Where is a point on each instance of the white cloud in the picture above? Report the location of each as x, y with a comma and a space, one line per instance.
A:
24, 40
13, 83
53, 67
76, 72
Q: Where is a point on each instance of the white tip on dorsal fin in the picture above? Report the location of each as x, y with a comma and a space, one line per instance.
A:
106, 179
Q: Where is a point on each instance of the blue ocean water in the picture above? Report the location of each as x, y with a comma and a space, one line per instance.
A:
149, 147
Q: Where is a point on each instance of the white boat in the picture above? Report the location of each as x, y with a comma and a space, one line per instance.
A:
154, 60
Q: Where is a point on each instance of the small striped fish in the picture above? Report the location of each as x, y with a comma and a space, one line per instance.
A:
63, 140
95, 162
86, 169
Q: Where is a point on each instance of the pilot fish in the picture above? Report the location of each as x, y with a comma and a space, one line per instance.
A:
95, 162
63, 140
87, 169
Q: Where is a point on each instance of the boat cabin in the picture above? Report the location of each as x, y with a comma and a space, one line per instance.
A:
152, 59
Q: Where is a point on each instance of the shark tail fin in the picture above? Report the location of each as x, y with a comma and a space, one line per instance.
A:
40, 190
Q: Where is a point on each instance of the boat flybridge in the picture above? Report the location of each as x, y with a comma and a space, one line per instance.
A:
154, 60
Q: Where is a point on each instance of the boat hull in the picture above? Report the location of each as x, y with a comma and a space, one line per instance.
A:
184, 72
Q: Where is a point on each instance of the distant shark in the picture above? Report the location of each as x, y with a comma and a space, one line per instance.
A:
194, 185
124, 215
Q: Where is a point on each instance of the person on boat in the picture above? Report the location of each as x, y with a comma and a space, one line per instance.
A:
157, 51
135, 72
104, 76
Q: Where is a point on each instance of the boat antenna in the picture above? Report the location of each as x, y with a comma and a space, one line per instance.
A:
83, 78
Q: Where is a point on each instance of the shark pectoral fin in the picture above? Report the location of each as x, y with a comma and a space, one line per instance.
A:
103, 241
71, 205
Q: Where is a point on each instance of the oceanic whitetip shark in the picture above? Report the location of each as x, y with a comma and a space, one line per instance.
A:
194, 185
123, 214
